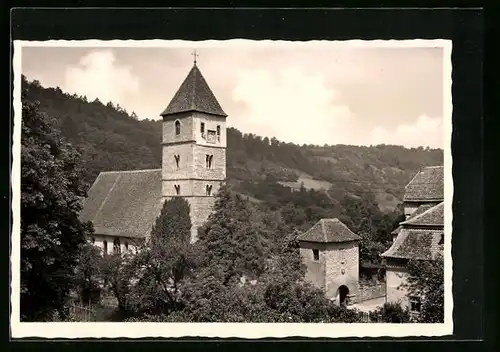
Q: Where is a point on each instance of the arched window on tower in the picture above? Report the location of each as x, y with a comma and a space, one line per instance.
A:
177, 128
209, 190
177, 189
177, 159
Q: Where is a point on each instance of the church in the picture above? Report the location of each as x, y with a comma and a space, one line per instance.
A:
123, 205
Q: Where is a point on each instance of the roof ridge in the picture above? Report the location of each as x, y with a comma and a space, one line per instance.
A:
323, 229
419, 216
128, 171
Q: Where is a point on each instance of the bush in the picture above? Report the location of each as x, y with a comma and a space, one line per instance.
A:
391, 313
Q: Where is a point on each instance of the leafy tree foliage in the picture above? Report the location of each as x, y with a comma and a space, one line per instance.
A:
426, 281
51, 233
231, 238
160, 266
391, 313
88, 273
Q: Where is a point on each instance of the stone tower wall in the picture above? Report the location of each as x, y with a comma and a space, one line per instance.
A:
342, 267
192, 174
315, 270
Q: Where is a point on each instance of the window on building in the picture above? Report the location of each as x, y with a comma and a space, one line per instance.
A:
105, 247
177, 159
415, 304
126, 246
202, 128
177, 189
117, 246
316, 254
441, 240
209, 190
208, 161
177, 128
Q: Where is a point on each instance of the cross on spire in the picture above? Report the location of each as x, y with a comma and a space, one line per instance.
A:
195, 55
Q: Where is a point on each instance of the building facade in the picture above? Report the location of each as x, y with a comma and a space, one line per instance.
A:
194, 147
123, 205
330, 252
421, 237
425, 189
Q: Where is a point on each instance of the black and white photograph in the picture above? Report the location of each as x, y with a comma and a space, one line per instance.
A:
255, 188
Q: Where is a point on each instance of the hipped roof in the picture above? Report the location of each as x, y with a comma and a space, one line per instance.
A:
194, 94
427, 185
329, 231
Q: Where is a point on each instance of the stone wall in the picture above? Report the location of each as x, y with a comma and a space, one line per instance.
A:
186, 164
315, 270
341, 267
395, 276
218, 167
187, 128
211, 122
201, 208
370, 291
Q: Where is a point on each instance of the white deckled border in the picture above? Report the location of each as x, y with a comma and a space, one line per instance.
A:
227, 330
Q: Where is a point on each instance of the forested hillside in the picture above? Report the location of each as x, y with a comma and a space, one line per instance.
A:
246, 265
111, 138
298, 185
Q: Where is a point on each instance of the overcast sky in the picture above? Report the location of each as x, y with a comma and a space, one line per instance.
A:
302, 94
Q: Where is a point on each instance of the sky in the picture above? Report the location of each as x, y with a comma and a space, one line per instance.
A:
300, 93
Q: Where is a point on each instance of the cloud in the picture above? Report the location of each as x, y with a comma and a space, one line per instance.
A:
425, 131
99, 76
290, 105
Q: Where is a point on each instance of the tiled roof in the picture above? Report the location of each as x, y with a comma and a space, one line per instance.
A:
433, 216
194, 94
427, 185
415, 244
396, 230
124, 203
327, 231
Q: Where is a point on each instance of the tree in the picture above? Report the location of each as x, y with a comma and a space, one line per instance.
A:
426, 281
51, 232
231, 238
88, 273
391, 313
160, 267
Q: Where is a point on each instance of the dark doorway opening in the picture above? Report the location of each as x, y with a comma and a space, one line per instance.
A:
343, 292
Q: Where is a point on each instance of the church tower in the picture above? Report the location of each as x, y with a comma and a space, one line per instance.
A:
194, 147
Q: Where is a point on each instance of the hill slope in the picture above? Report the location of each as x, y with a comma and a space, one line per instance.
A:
110, 138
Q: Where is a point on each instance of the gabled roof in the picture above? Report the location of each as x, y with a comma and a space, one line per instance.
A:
427, 185
124, 203
328, 231
433, 216
421, 244
194, 94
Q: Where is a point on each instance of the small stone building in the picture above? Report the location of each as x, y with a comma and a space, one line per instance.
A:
425, 189
330, 252
421, 237
123, 205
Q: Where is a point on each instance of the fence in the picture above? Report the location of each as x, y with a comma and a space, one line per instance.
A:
81, 313
366, 318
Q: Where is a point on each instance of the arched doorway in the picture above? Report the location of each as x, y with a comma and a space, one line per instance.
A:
343, 291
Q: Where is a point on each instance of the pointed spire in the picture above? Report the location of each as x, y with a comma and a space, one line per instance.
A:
194, 94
